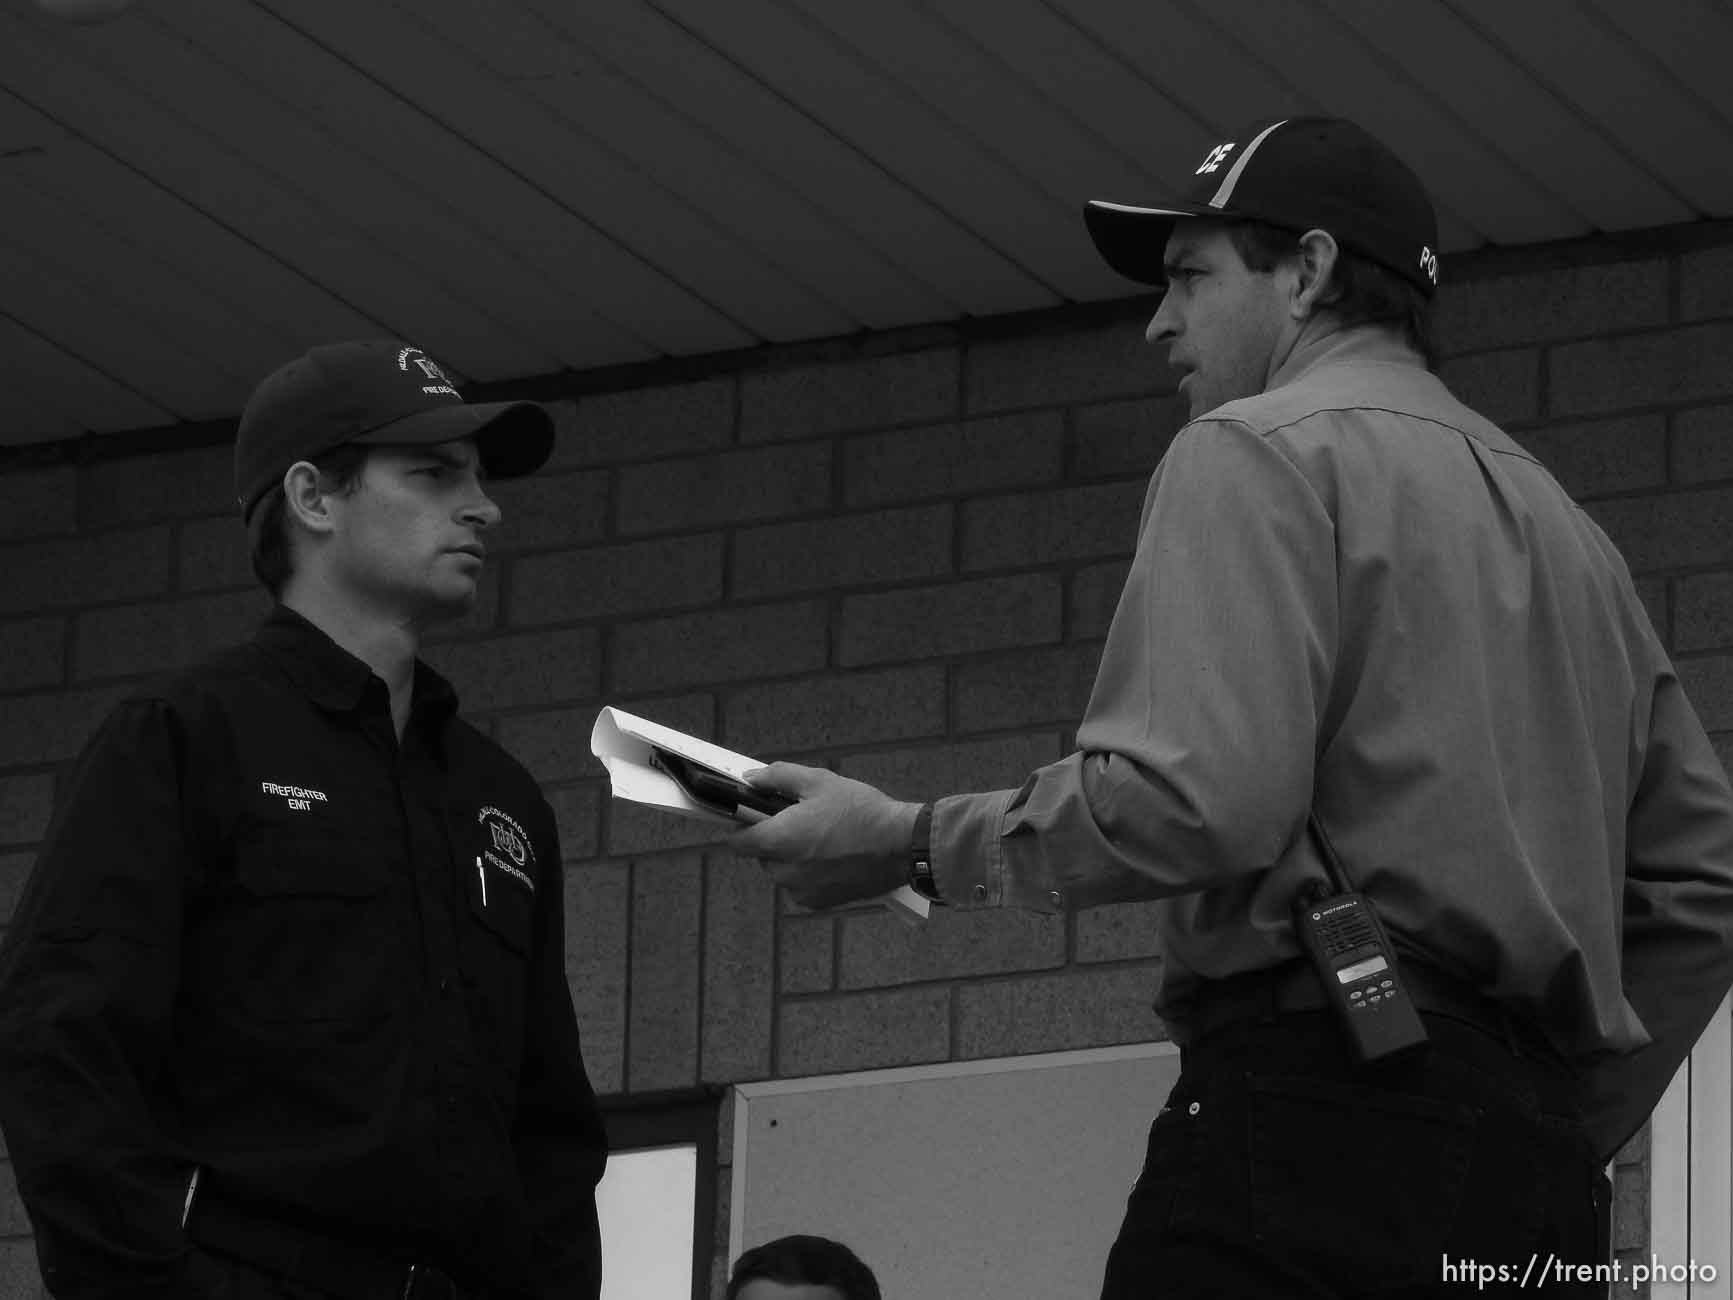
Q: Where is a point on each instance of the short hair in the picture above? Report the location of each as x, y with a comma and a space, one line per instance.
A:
814, 1261
1364, 292
268, 534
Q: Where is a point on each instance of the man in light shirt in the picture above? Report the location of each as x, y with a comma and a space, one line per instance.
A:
1359, 614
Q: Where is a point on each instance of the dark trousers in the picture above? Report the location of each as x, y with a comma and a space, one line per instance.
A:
1278, 1168
224, 1277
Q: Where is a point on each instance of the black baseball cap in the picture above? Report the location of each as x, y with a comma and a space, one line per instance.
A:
375, 391
1300, 174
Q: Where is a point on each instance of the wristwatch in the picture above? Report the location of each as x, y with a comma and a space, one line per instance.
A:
921, 856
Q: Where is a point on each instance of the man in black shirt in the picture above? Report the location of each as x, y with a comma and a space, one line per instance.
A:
283, 1010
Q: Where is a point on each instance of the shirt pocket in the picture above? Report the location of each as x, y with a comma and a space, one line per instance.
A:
496, 952
503, 906
308, 938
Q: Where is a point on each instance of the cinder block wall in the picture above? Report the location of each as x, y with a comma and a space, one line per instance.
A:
897, 556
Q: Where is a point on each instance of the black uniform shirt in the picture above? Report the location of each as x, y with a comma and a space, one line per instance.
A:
268, 942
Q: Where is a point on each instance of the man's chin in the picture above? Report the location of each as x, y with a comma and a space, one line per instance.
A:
449, 603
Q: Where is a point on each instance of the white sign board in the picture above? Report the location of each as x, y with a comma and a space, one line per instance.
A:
965, 1181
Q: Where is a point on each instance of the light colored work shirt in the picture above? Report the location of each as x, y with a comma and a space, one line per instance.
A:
1352, 593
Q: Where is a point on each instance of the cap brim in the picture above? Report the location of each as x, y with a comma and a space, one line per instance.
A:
1133, 240
512, 438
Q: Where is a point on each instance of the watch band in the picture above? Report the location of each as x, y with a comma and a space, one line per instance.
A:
921, 856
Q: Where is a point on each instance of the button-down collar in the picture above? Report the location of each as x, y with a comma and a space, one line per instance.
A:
335, 679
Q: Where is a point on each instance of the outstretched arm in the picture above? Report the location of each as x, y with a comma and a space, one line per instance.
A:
1194, 761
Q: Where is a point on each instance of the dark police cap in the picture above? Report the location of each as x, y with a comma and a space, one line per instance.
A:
1299, 174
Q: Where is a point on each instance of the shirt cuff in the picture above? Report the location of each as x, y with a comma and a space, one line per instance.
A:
968, 862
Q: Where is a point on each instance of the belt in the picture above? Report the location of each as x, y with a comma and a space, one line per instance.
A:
346, 1269
1296, 987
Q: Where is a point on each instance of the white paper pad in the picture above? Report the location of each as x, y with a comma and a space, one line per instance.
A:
624, 742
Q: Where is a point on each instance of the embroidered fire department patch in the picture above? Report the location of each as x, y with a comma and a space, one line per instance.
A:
506, 845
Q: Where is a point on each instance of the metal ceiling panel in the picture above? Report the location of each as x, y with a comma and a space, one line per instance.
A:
697, 161
1621, 91
560, 156
1002, 104
1514, 116
712, 293
200, 189
72, 241
180, 155
1479, 194
53, 299
1181, 81
26, 133
1690, 39
342, 141
1001, 113
1146, 139
52, 394
28, 410
61, 255
324, 170
814, 72
223, 263
704, 84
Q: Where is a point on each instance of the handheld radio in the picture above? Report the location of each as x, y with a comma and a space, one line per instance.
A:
1357, 965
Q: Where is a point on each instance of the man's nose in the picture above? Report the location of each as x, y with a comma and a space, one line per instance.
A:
1163, 327
482, 512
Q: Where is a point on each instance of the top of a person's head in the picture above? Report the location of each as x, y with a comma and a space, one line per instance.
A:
1296, 174
374, 392
803, 1260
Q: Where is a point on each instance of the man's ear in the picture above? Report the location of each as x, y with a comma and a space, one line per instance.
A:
304, 500
1315, 285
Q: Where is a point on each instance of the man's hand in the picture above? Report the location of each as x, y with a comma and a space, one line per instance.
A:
843, 841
